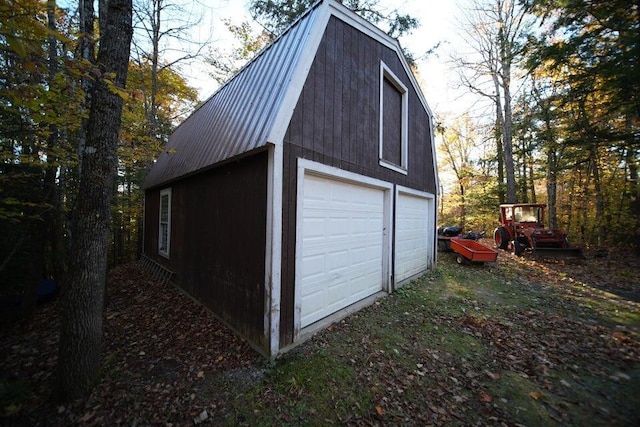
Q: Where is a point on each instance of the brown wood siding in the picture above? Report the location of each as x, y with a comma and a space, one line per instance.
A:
336, 122
151, 222
218, 237
337, 115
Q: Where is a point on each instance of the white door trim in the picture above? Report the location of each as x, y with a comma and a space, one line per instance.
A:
318, 169
431, 225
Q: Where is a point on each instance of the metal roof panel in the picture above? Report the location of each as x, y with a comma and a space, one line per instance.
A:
239, 116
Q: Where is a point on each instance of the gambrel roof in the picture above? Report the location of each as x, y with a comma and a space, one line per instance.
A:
255, 107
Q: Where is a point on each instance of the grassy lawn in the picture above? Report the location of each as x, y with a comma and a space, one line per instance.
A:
462, 345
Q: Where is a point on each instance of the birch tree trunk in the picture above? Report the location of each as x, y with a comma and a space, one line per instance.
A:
494, 30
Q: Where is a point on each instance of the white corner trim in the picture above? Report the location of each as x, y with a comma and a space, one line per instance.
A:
273, 258
297, 295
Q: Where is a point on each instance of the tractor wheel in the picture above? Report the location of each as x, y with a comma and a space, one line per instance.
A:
518, 247
501, 237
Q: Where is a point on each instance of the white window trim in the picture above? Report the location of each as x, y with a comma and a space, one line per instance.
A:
164, 192
404, 140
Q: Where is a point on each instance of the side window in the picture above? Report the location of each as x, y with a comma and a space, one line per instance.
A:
393, 138
164, 236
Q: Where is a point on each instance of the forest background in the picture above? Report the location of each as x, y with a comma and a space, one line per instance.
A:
546, 109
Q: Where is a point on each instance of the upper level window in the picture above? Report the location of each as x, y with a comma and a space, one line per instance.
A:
393, 121
164, 236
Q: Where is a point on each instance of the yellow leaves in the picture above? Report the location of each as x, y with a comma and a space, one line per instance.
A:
24, 27
108, 80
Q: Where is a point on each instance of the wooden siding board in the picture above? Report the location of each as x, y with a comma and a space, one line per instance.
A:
319, 100
349, 63
338, 54
359, 118
371, 100
330, 64
218, 238
287, 296
307, 110
151, 223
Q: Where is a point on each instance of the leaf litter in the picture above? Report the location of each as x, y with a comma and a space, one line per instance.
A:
543, 344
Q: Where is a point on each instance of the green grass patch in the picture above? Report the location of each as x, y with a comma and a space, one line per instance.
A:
305, 386
430, 349
569, 398
522, 400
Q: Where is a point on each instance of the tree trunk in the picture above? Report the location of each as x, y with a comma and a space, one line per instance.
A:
532, 182
81, 329
572, 184
463, 205
586, 204
153, 108
631, 159
597, 186
86, 47
53, 180
507, 139
524, 181
499, 146
552, 186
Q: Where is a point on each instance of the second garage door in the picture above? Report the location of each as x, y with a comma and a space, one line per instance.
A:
341, 254
414, 234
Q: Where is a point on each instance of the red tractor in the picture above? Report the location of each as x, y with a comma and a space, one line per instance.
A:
522, 228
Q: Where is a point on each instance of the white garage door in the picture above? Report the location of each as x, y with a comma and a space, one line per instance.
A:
413, 235
341, 246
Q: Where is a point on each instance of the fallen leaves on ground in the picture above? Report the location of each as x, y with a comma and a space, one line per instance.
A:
168, 361
160, 348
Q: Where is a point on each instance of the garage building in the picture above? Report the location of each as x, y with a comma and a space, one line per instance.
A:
304, 188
